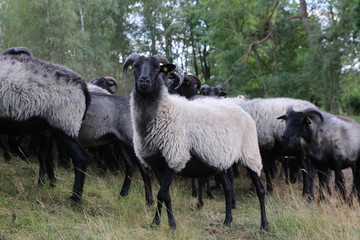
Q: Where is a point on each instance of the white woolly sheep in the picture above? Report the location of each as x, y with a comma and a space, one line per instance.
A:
195, 139
39, 96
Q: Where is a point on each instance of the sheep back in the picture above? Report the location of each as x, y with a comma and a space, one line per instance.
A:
218, 132
265, 112
31, 87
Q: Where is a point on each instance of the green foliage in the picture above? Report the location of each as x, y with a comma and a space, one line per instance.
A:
256, 48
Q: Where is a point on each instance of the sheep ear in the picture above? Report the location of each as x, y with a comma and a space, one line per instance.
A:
165, 68
283, 117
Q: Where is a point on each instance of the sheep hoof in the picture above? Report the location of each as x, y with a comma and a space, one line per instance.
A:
150, 202
154, 225
227, 222
172, 226
265, 227
200, 205
75, 198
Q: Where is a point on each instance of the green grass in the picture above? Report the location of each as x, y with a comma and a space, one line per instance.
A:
31, 212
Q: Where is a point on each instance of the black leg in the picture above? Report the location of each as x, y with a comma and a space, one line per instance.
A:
165, 178
356, 179
193, 187
323, 183
129, 170
208, 189
200, 202
228, 198
261, 195
80, 159
340, 183
145, 174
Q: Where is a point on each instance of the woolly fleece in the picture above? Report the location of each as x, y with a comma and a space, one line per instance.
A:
31, 87
219, 132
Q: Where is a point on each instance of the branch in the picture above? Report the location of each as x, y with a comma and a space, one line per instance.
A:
258, 42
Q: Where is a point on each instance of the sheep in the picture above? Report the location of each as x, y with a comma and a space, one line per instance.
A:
331, 143
108, 120
217, 91
175, 136
38, 96
187, 85
269, 130
4, 142
105, 83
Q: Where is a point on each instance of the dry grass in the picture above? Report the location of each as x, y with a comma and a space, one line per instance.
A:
31, 212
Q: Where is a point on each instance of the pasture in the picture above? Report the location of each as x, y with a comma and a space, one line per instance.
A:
31, 212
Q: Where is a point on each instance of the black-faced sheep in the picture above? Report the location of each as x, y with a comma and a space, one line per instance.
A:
329, 141
39, 96
265, 112
217, 91
175, 136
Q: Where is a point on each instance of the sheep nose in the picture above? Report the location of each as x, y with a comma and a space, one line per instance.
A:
145, 80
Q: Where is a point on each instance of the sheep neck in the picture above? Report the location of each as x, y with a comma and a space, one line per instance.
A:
147, 105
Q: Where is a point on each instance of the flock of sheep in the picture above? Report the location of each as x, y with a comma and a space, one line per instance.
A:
171, 128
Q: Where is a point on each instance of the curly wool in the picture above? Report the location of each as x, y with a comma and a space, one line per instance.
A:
218, 132
30, 87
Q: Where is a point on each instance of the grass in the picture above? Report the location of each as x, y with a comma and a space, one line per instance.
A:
31, 212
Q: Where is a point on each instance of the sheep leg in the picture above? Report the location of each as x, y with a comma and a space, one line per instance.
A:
80, 159
230, 174
267, 165
64, 159
145, 174
261, 196
193, 187
129, 170
340, 183
356, 179
200, 202
228, 197
4, 144
308, 178
323, 183
165, 178
46, 158
208, 189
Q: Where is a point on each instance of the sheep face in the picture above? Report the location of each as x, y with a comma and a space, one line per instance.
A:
298, 128
147, 71
184, 85
217, 91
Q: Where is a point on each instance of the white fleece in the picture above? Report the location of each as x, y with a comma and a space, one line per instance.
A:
31, 90
219, 132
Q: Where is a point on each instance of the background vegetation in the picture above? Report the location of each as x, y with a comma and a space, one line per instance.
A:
263, 48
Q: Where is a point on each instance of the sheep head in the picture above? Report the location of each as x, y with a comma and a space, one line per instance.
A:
147, 70
108, 83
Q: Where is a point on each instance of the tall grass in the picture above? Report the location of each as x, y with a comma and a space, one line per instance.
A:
31, 212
